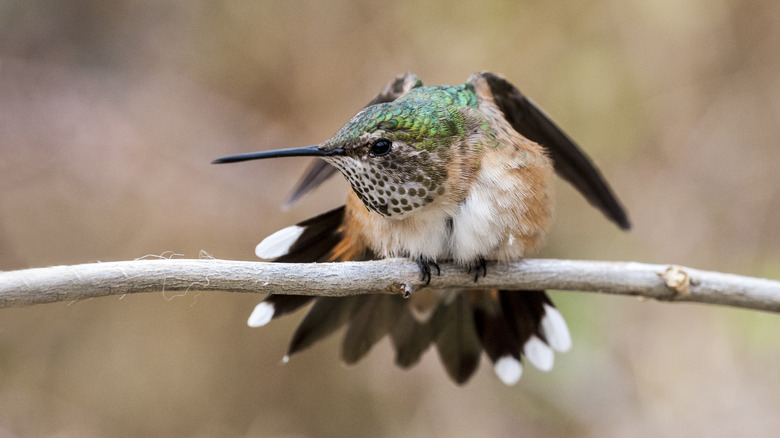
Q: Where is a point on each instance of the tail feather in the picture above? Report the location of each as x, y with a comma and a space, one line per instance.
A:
456, 338
319, 236
308, 241
498, 337
325, 317
507, 325
275, 306
373, 319
525, 312
555, 330
410, 339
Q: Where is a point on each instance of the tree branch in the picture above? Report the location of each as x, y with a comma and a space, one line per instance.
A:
660, 282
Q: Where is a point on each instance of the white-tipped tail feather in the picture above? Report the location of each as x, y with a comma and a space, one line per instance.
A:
508, 369
555, 329
262, 315
278, 243
539, 354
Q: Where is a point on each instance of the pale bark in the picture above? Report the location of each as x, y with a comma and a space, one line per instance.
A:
660, 282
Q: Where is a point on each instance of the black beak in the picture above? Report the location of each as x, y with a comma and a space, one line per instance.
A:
306, 151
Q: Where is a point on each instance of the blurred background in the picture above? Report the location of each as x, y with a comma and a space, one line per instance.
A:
110, 113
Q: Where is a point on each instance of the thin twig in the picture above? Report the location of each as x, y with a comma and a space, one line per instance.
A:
660, 282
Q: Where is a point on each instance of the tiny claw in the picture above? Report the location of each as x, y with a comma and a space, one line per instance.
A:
425, 268
481, 266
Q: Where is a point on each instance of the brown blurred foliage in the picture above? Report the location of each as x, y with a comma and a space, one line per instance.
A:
110, 113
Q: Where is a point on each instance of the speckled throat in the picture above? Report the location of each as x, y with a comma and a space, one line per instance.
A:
392, 185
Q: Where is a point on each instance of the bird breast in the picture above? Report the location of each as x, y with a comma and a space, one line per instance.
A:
502, 215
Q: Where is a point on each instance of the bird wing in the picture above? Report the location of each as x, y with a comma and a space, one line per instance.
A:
570, 161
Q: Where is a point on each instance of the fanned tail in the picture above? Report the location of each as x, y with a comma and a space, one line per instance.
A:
507, 325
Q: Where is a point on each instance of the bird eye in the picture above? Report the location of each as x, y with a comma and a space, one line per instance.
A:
381, 147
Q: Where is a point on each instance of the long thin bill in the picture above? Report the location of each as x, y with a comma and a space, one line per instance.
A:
306, 151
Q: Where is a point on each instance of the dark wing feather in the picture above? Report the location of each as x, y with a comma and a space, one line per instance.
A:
400, 85
319, 170
317, 173
456, 338
570, 161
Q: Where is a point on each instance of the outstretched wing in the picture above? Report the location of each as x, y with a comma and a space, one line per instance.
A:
319, 170
569, 160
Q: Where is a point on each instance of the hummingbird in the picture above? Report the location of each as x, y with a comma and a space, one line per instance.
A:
438, 173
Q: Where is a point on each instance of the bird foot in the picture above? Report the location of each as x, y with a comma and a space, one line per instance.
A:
480, 266
425, 269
